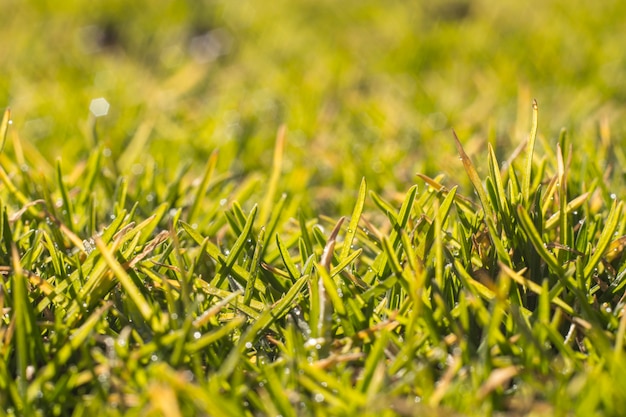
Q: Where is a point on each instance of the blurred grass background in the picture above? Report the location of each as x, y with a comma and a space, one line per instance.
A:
365, 88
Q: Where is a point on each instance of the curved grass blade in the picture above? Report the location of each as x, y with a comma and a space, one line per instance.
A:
4, 128
354, 221
474, 178
292, 270
605, 238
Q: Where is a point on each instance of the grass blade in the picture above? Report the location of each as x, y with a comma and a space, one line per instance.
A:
277, 165
4, 128
127, 283
354, 220
605, 238
529, 153
202, 188
474, 178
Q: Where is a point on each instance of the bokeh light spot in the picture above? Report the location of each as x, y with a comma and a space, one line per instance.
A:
99, 107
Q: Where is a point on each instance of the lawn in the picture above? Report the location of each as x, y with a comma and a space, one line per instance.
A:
233, 208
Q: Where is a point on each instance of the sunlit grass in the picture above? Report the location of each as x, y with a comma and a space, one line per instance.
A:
509, 302
274, 216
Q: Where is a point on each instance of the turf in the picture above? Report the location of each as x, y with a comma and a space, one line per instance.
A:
297, 208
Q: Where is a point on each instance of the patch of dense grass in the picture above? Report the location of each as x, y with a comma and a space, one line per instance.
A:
185, 255
201, 300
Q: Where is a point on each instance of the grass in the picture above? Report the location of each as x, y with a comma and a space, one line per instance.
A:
320, 242
435, 302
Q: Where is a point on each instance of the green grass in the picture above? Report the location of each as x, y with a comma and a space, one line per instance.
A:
286, 224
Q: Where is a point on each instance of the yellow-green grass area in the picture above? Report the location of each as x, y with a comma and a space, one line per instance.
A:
238, 208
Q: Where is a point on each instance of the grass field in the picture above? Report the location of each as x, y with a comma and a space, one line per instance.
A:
312, 208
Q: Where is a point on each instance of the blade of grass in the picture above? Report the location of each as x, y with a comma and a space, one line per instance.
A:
127, 283
605, 238
4, 128
23, 329
277, 165
494, 171
569, 208
530, 150
136, 146
235, 251
68, 209
254, 266
325, 302
202, 188
474, 178
354, 221
294, 274
565, 234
